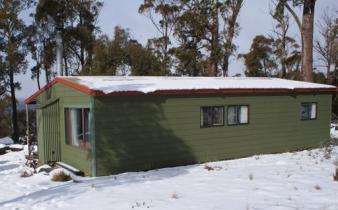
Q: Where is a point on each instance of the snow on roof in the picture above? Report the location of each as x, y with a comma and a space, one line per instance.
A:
145, 84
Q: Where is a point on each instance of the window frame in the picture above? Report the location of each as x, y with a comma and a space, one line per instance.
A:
238, 106
308, 103
82, 124
211, 126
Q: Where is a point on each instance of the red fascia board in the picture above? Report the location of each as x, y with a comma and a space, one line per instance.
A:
181, 92
62, 81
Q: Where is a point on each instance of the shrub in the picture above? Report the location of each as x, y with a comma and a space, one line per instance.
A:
335, 177
317, 187
26, 173
212, 168
207, 167
60, 175
336, 162
174, 196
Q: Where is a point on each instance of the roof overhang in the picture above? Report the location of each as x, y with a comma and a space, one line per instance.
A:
84, 89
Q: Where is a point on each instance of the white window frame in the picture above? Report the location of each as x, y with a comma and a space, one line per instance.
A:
238, 113
312, 113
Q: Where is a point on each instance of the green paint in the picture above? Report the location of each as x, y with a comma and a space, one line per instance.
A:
132, 133
68, 97
92, 135
146, 132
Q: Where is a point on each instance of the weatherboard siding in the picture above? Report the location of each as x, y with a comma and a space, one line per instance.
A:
146, 132
67, 97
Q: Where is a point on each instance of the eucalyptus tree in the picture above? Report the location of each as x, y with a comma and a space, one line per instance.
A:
13, 50
123, 55
286, 49
78, 21
230, 11
305, 25
205, 31
326, 44
260, 60
163, 15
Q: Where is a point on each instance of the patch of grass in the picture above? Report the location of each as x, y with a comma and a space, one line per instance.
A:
335, 177
250, 176
208, 168
317, 187
174, 196
212, 168
61, 176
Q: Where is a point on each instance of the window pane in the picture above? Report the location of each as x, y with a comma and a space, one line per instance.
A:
232, 115
243, 116
77, 127
86, 128
304, 112
217, 115
68, 124
313, 110
212, 116
207, 116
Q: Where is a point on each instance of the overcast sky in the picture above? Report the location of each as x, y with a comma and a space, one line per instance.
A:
254, 20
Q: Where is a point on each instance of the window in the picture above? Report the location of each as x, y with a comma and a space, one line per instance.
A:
308, 111
212, 116
238, 115
77, 127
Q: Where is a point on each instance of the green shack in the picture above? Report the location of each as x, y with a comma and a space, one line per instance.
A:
112, 124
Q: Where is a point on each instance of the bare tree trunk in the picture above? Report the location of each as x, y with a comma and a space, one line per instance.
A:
47, 70
328, 75
15, 134
66, 66
225, 66
230, 33
283, 58
38, 78
299, 24
165, 51
307, 31
214, 41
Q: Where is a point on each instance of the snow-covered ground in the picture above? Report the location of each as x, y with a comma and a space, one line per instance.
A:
301, 180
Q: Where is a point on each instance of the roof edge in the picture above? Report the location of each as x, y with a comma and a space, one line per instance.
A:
75, 86
88, 91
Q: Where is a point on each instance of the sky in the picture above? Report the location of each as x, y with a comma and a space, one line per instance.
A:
254, 20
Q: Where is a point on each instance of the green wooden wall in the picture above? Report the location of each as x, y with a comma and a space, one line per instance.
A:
147, 132
66, 97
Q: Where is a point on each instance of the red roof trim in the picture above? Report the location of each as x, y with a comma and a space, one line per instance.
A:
62, 81
180, 92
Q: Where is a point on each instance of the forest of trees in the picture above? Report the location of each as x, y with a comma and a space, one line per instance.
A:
196, 38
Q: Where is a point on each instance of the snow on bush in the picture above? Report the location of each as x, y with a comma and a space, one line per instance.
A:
60, 175
44, 168
16, 147
6, 141
27, 172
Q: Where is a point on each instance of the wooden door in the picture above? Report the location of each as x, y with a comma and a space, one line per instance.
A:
51, 132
